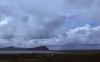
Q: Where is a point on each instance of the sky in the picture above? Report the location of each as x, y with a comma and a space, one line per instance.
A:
32, 23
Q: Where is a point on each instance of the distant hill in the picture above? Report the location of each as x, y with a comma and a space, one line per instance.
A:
40, 48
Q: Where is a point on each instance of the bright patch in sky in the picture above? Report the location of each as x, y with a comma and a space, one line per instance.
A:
5, 21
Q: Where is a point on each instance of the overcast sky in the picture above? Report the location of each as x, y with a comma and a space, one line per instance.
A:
30, 23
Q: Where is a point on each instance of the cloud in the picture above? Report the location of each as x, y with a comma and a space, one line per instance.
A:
83, 35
